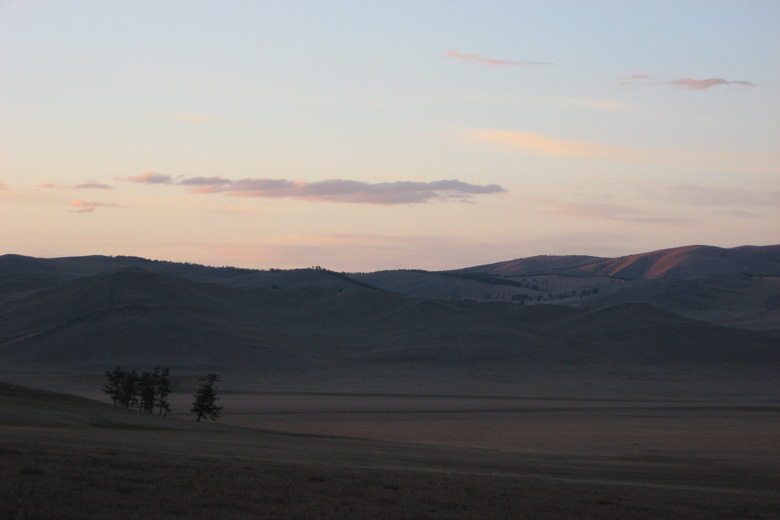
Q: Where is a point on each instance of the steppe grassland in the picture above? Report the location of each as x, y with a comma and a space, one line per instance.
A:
65, 458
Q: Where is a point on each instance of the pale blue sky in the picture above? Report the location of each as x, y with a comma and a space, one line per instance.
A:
602, 128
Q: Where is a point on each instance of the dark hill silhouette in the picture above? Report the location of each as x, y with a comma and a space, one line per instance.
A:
135, 317
56, 270
132, 316
643, 334
689, 262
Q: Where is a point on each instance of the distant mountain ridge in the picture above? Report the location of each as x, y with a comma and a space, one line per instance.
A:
738, 287
679, 263
71, 268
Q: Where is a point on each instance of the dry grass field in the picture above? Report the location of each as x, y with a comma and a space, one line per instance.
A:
421, 456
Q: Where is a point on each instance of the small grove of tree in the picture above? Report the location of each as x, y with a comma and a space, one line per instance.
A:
204, 404
145, 391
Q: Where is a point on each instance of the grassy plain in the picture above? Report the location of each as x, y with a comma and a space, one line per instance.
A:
284, 454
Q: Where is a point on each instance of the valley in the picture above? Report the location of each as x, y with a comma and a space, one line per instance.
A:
353, 396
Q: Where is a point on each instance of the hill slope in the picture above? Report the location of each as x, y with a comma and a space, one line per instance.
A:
139, 318
744, 302
16, 270
680, 263
739, 287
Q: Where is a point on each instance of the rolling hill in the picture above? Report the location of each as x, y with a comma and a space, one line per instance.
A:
742, 302
682, 263
21, 273
136, 317
738, 287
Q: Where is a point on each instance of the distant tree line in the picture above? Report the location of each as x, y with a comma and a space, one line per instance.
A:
148, 391
482, 277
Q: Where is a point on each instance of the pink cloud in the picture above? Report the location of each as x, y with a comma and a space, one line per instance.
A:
205, 181
704, 84
608, 212
84, 186
715, 159
150, 178
92, 186
83, 206
552, 146
685, 83
633, 79
492, 62
342, 190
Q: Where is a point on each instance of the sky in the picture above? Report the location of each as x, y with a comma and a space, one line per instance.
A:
370, 135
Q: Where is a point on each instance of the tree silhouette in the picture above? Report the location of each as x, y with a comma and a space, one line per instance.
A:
147, 391
128, 392
204, 404
163, 389
113, 386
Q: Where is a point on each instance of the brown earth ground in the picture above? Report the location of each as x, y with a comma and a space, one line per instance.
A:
650, 450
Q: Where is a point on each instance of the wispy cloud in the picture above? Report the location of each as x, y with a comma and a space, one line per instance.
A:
718, 196
704, 84
345, 191
206, 181
635, 76
608, 211
552, 146
475, 57
331, 190
684, 83
83, 186
634, 79
92, 186
195, 118
83, 206
601, 105
150, 178
720, 160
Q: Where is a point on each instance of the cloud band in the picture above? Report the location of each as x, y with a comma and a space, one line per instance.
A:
475, 57
331, 190
345, 191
